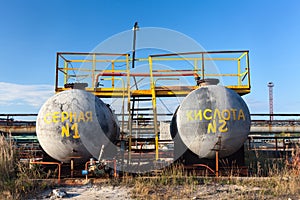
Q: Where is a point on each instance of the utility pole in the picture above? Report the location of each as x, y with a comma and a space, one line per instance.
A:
271, 85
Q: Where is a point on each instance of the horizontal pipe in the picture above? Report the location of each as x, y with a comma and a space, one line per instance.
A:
7, 114
50, 163
144, 74
277, 114
275, 129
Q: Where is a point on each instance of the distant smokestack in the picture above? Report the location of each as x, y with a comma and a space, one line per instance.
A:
271, 85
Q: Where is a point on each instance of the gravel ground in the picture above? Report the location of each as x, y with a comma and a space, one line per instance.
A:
88, 192
205, 191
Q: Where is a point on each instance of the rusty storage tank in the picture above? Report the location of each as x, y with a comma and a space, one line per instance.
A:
71, 117
211, 118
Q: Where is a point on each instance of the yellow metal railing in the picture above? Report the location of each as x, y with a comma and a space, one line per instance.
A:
230, 66
199, 60
101, 73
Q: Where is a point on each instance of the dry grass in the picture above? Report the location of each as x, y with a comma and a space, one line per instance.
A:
16, 178
282, 182
172, 182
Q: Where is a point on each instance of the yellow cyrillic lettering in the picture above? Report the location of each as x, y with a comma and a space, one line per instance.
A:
81, 117
217, 112
64, 116
189, 115
205, 114
198, 114
233, 113
241, 115
222, 128
55, 117
65, 130
88, 116
75, 129
212, 127
73, 117
46, 118
226, 114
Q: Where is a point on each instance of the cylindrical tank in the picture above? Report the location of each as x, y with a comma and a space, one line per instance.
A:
69, 116
211, 118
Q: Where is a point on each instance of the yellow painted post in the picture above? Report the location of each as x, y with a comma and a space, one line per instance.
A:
113, 77
65, 72
239, 73
248, 70
93, 70
128, 107
202, 66
152, 85
196, 66
239, 67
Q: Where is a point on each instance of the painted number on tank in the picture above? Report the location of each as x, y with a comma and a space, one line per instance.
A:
69, 121
65, 131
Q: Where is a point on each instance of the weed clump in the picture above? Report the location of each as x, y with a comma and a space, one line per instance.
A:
17, 179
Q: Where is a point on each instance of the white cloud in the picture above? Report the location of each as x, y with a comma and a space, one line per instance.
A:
28, 95
256, 105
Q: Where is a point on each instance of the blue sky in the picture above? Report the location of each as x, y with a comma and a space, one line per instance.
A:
33, 31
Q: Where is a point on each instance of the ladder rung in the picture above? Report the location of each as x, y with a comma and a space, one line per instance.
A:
138, 99
139, 109
143, 139
142, 150
143, 129
147, 118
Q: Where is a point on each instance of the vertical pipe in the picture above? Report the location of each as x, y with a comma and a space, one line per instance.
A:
72, 167
115, 168
59, 173
217, 163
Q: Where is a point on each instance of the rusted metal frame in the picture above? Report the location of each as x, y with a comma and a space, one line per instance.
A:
90, 53
56, 71
50, 163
